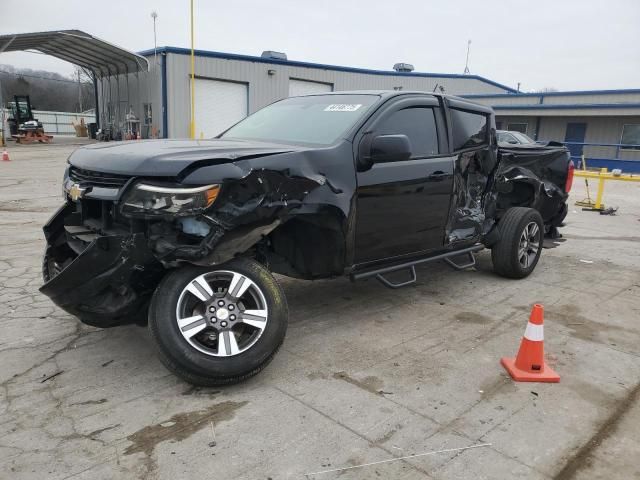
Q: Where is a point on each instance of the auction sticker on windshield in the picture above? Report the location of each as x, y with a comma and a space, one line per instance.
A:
343, 107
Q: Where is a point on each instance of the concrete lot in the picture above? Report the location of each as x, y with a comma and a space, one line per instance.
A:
366, 374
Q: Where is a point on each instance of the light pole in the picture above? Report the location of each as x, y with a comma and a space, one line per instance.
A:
466, 65
154, 15
193, 83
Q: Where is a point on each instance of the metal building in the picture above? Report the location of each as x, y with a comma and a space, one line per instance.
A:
228, 87
602, 125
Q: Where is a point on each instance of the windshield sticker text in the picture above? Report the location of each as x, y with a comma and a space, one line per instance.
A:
343, 107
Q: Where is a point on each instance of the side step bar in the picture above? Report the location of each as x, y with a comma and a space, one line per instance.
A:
410, 266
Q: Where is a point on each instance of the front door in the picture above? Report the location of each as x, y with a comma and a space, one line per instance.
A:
575, 133
402, 207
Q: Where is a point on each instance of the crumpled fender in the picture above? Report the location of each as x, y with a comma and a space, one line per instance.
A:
258, 196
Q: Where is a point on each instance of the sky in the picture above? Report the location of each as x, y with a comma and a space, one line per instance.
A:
561, 44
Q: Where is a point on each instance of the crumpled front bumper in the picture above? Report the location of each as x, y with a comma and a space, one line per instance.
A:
109, 283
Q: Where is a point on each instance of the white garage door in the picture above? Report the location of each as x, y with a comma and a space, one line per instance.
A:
219, 105
304, 87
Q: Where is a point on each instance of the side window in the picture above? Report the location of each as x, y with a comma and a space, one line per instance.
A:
419, 124
469, 129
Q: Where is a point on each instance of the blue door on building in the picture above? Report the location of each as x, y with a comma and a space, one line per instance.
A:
575, 133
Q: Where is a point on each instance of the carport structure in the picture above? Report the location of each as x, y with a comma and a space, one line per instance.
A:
103, 61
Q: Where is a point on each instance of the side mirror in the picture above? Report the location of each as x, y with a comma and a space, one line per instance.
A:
390, 148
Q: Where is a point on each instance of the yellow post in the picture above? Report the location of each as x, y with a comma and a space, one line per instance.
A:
192, 130
599, 205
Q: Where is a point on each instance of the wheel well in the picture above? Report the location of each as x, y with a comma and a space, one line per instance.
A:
309, 246
520, 194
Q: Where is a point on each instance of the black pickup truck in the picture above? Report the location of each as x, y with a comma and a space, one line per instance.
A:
187, 234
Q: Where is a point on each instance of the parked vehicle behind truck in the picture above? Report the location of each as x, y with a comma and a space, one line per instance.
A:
363, 184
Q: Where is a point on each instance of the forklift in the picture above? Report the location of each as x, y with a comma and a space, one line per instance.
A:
23, 127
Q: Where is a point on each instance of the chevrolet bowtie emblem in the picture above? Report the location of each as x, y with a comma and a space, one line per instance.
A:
76, 192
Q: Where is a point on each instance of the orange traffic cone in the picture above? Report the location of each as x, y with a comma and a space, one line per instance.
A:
529, 364
5, 156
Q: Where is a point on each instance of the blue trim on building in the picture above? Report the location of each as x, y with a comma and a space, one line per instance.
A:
538, 106
337, 68
553, 94
165, 107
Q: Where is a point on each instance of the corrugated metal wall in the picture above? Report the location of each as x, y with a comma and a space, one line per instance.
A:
265, 89
506, 120
599, 130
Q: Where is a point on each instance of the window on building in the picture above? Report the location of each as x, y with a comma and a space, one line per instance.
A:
419, 124
148, 114
630, 136
517, 127
469, 129
498, 125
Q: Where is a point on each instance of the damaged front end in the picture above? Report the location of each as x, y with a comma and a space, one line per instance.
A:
109, 247
104, 276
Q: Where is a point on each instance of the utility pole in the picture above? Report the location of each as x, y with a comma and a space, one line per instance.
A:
466, 65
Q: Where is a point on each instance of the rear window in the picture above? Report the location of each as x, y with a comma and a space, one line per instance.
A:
469, 129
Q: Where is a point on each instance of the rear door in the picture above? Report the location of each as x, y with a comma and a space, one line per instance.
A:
402, 206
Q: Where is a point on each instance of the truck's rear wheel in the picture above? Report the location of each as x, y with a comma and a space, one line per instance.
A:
517, 252
218, 325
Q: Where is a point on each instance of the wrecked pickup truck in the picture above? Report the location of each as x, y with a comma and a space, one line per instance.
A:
363, 184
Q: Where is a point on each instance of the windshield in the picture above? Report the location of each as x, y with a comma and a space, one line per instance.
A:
522, 138
316, 119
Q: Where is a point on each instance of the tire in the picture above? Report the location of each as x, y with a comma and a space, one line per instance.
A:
507, 253
213, 356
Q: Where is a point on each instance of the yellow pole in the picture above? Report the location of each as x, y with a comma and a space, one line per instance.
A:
599, 205
192, 130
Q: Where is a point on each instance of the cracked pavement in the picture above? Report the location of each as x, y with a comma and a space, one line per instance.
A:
365, 374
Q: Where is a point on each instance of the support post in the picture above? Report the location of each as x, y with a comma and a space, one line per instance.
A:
193, 83
600, 189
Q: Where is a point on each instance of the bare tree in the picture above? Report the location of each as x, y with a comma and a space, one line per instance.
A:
47, 90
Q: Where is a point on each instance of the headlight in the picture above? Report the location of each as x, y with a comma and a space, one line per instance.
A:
152, 200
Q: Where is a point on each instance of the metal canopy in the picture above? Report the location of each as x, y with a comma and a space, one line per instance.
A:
80, 48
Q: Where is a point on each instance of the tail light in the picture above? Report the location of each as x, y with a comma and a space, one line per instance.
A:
570, 169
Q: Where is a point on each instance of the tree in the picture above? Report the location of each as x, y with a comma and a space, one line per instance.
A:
47, 90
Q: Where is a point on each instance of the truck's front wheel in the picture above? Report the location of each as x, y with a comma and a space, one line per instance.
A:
517, 252
218, 325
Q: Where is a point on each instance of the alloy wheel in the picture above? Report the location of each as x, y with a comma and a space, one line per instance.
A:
529, 244
222, 313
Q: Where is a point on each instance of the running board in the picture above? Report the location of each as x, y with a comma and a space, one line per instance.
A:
410, 266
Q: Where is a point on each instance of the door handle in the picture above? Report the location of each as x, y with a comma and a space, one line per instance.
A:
437, 174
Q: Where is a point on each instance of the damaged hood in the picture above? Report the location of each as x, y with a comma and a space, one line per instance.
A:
167, 158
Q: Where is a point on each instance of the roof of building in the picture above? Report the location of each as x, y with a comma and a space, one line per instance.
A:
79, 48
338, 68
567, 93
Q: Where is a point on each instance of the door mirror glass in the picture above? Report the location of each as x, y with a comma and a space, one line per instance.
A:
390, 148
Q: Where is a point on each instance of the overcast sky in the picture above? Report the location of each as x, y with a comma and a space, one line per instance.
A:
563, 44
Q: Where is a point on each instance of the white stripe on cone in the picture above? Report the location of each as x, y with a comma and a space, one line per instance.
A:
534, 332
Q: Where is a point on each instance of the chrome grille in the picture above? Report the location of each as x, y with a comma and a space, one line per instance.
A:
98, 179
